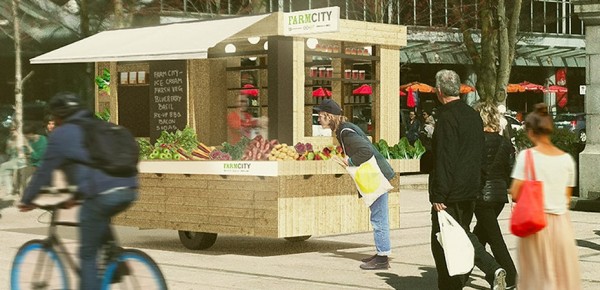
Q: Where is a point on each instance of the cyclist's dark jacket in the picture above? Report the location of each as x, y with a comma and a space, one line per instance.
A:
66, 151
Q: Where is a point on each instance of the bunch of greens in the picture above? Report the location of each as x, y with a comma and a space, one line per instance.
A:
104, 115
103, 81
145, 147
402, 150
185, 139
236, 150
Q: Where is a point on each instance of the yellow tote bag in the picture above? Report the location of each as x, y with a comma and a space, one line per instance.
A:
369, 180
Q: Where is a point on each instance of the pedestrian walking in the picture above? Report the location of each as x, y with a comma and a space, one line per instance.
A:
455, 182
413, 127
494, 195
548, 259
359, 149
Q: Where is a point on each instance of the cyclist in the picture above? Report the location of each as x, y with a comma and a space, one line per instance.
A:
103, 196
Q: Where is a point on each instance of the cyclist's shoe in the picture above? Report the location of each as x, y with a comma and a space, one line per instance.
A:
122, 270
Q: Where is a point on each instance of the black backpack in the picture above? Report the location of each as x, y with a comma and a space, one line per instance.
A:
112, 148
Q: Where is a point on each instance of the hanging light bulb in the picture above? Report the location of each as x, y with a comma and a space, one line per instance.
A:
253, 39
252, 58
312, 43
266, 45
230, 48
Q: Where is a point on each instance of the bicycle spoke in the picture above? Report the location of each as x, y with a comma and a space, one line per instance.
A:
136, 271
36, 267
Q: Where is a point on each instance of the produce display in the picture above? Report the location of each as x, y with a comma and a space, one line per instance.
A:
402, 150
259, 148
183, 145
283, 152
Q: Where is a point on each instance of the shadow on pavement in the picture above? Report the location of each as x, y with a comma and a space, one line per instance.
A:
242, 245
588, 244
427, 280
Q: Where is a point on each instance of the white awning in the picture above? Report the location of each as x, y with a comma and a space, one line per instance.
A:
187, 40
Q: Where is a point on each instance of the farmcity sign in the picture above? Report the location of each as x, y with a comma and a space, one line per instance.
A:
311, 21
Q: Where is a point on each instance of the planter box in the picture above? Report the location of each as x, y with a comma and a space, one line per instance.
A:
303, 198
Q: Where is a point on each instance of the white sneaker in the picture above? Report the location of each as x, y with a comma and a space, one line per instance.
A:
499, 280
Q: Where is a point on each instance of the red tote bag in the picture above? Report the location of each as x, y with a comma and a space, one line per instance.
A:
528, 216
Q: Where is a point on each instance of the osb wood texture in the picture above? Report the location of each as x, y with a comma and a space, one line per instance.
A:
320, 205
366, 32
386, 100
241, 205
206, 93
283, 206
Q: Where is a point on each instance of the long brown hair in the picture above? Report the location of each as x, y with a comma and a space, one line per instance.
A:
489, 115
334, 120
539, 121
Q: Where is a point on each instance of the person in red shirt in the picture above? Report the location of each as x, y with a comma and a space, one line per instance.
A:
240, 122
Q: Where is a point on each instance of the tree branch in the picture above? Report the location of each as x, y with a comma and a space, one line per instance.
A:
466, 33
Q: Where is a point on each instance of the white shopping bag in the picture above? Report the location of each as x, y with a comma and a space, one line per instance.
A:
458, 249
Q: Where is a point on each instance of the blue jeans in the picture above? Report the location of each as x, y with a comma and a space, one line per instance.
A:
381, 225
94, 218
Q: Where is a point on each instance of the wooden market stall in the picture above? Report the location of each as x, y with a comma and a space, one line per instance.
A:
190, 74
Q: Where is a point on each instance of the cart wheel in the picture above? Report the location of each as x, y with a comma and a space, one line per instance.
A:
197, 240
297, 239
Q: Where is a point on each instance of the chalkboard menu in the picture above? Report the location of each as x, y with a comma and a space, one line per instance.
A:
168, 97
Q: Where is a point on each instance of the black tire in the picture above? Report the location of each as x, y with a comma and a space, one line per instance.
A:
197, 240
133, 269
297, 239
36, 266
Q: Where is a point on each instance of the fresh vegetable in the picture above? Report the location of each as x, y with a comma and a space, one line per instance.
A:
383, 148
259, 148
236, 150
219, 155
402, 150
283, 152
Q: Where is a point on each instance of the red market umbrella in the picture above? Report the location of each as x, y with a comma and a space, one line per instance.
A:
562, 99
531, 87
555, 89
249, 90
402, 94
418, 87
321, 93
465, 89
363, 90
410, 100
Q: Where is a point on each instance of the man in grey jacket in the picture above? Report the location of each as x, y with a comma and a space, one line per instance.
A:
454, 183
103, 195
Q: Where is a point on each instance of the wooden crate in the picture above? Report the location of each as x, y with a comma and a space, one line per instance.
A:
307, 198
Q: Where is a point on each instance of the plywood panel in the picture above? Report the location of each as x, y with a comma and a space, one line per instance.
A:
281, 206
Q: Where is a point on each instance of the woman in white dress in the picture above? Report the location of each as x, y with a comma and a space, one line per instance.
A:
548, 259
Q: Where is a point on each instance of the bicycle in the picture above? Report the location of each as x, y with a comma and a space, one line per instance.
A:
40, 263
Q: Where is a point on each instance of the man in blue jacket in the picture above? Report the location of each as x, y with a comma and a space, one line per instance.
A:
454, 183
103, 195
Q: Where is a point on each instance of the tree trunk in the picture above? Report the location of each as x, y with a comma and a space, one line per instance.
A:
119, 14
493, 60
18, 83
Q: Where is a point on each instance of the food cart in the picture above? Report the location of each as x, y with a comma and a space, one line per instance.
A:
163, 81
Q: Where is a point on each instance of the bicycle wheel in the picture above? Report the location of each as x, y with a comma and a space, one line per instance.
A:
133, 269
37, 267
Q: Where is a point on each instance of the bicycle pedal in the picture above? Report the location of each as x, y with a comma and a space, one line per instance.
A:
122, 270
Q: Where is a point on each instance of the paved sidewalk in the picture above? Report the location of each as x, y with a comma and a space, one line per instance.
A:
319, 263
